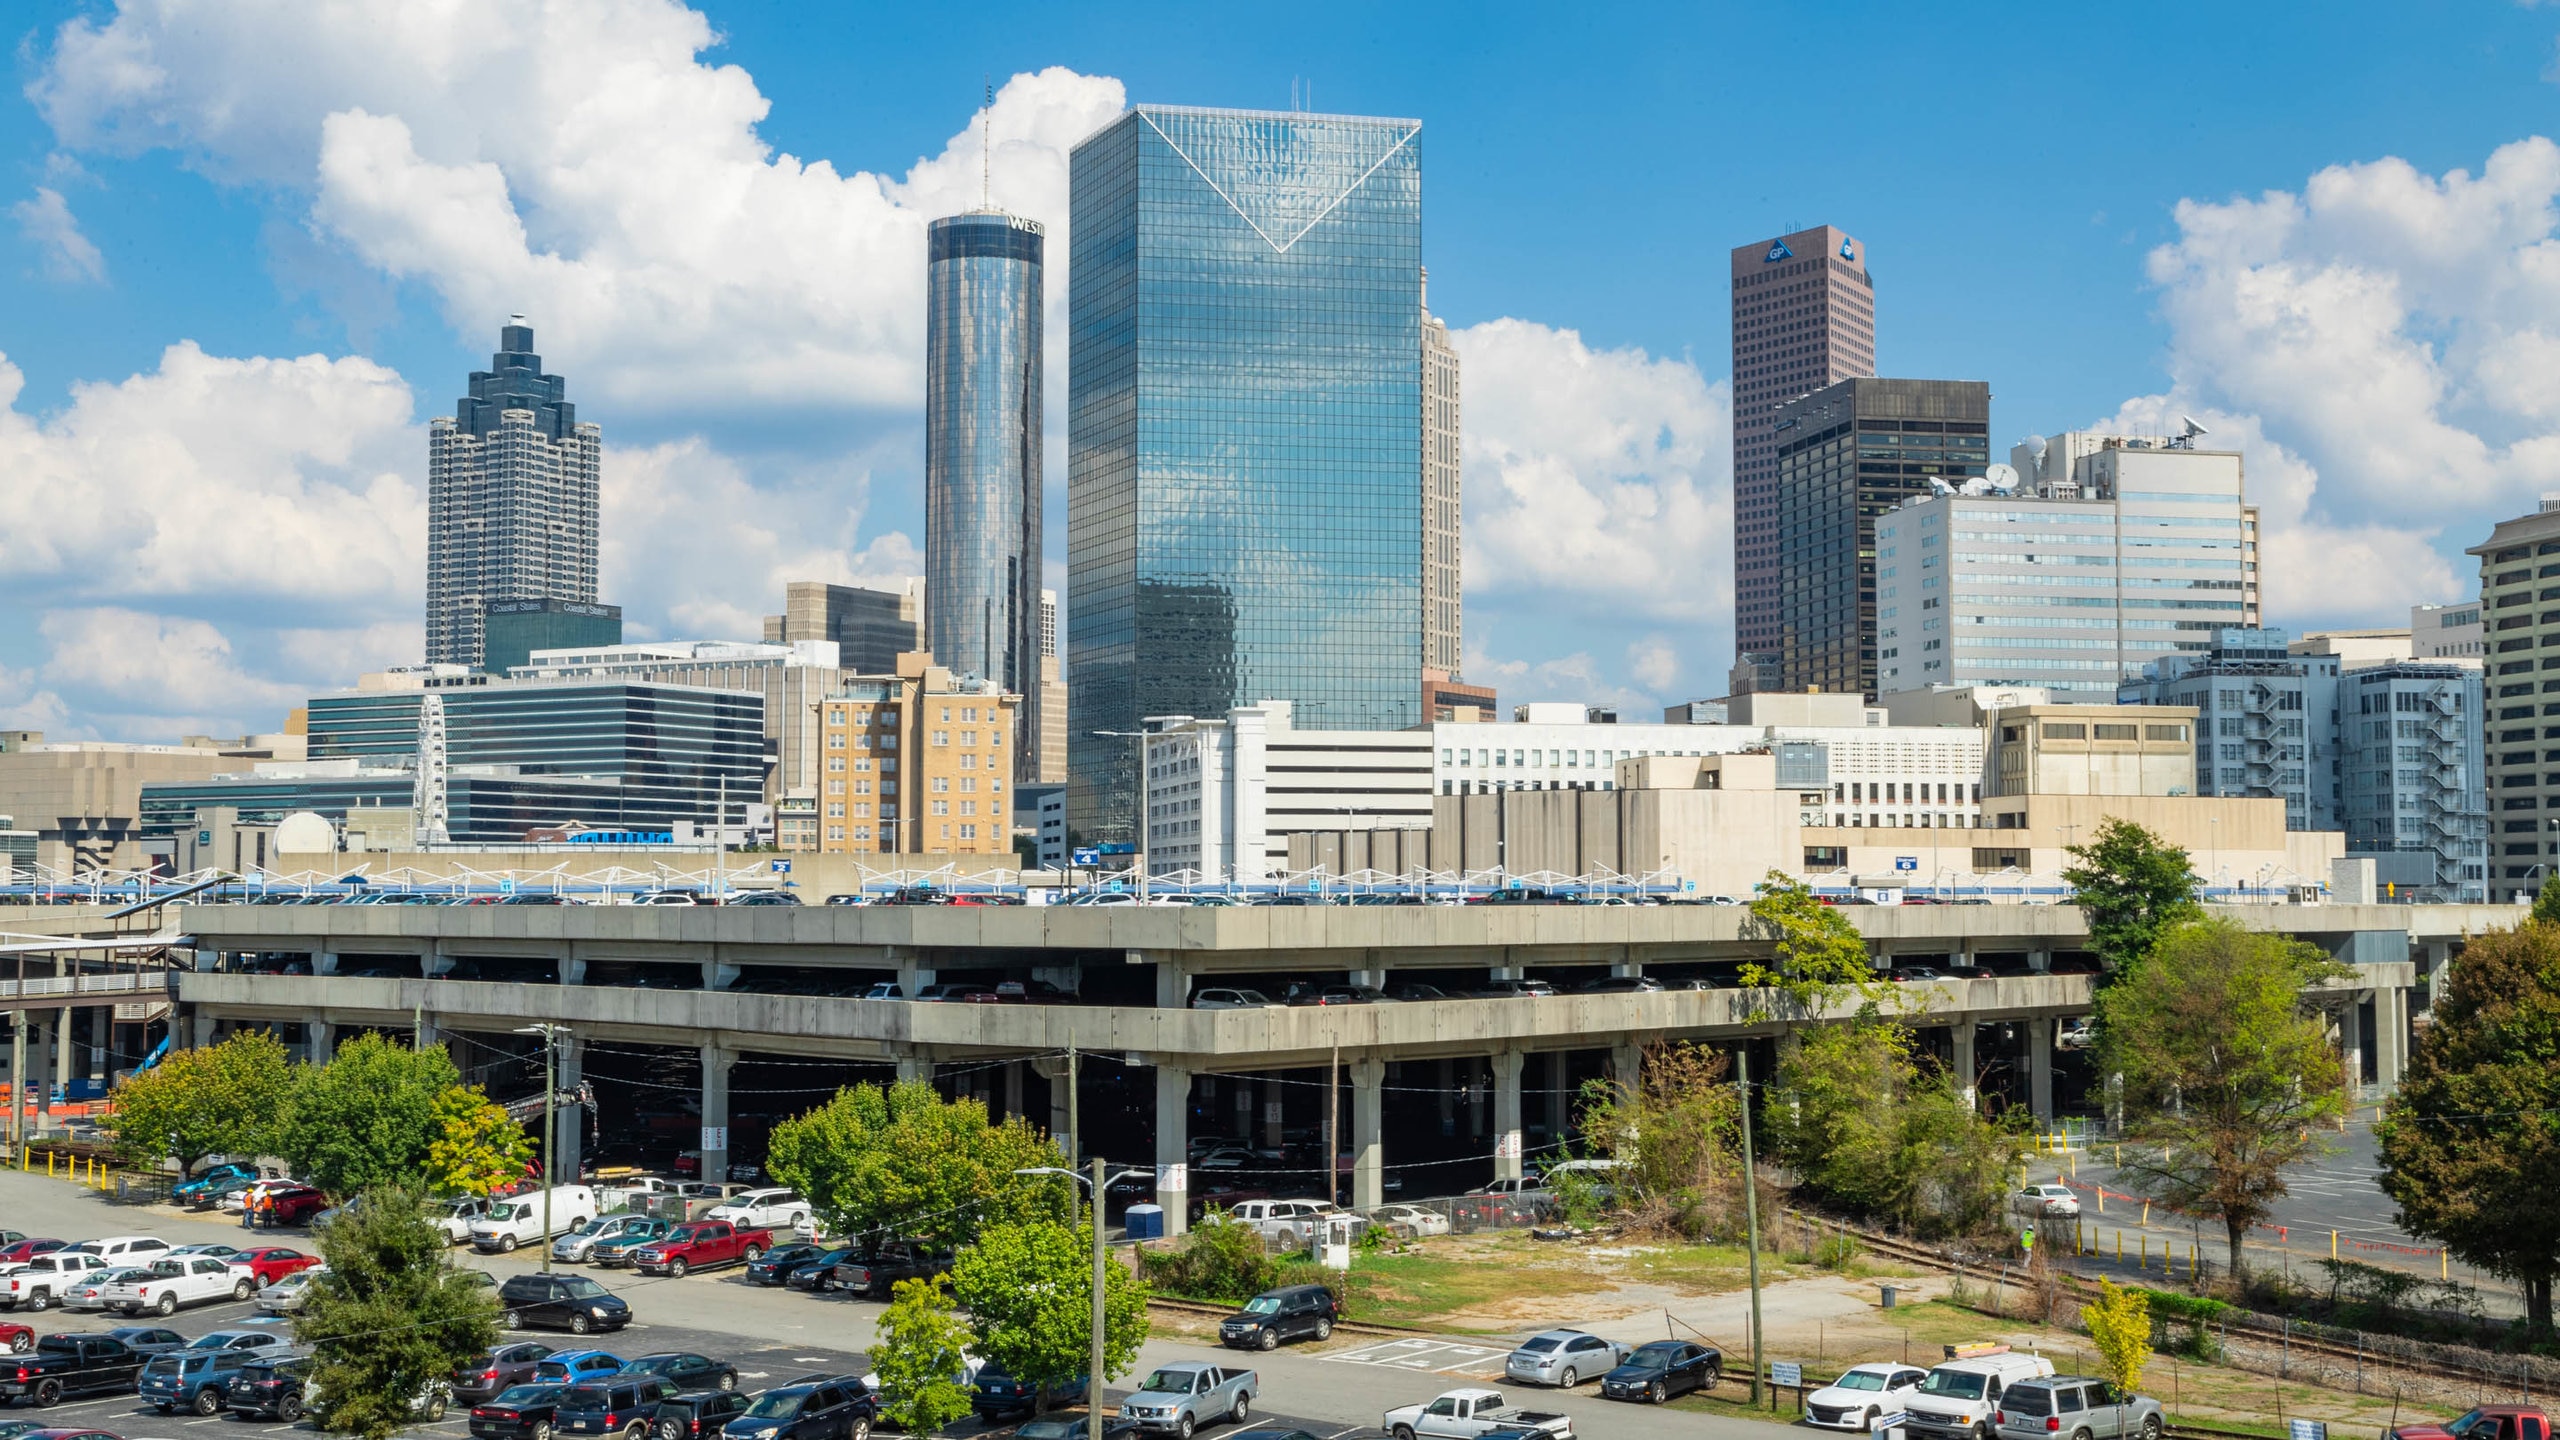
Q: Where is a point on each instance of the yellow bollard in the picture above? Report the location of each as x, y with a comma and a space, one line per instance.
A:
2146, 1217
2444, 1267
2191, 1266
2333, 1245
2142, 1261
2102, 1209
48, 1164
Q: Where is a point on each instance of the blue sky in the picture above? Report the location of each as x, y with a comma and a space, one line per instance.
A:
330, 212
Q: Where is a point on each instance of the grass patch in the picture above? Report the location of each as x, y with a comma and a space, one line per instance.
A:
1428, 1284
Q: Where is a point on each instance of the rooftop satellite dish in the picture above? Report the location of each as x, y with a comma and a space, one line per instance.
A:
2192, 428
2001, 476
305, 833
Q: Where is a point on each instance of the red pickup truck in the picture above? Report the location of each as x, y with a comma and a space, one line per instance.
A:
2489, 1422
701, 1245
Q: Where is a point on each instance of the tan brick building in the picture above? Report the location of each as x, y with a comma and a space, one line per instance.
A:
917, 763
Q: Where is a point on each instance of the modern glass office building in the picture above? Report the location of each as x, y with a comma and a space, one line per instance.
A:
982, 454
1244, 496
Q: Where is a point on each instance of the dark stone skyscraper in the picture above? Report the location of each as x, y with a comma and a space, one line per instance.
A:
982, 457
511, 499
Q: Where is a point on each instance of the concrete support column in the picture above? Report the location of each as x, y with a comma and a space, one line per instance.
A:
1447, 1084
1559, 1104
1508, 967
915, 1067
1509, 1141
718, 975
1626, 963
1476, 1099
319, 1041
1961, 1033
1240, 1095
2040, 1070
62, 1053
1012, 1088
324, 962
1173, 1147
2351, 1041
715, 1111
199, 1029
1374, 976
434, 962
573, 971
17, 1075
2391, 1037
2040, 961
1053, 1068
569, 1120
1368, 1145
914, 973
1272, 1112
1626, 1068
1173, 986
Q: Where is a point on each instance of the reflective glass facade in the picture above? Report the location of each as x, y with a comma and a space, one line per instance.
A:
1244, 502
982, 452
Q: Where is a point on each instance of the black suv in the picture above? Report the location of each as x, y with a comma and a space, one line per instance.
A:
838, 1409
998, 1394
1277, 1315
569, 1302
271, 1387
697, 1416
625, 1405
684, 1370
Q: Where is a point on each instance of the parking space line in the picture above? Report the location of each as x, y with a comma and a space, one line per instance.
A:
1436, 1356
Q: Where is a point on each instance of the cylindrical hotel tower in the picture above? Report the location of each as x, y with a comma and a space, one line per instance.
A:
982, 456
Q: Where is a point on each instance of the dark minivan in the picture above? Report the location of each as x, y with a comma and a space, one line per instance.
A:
998, 1394
817, 1410
569, 1302
1276, 1315
617, 1405
693, 1417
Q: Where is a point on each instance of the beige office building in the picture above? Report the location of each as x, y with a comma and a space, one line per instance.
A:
917, 762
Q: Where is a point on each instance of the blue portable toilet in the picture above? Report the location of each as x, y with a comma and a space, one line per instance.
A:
1146, 1222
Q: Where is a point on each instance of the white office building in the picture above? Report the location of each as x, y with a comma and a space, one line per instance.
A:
2446, 632
2105, 553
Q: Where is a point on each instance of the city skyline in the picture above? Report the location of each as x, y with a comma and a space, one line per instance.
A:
236, 297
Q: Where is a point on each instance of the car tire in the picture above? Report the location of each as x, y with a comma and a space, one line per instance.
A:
755, 1253
1656, 1393
2150, 1427
1182, 1428
1568, 1379
541, 1430
1867, 1422
636, 1430
1404, 1432
1270, 1338
1243, 1407
506, 1243
670, 1430
47, 1394
1713, 1378
208, 1402
2081, 1435
580, 1324
37, 1300
728, 1380
168, 1305
436, 1409
676, 1268
861, 1428
243, 1290
1324, 1328
23, 1343
510, 1320
289, 1408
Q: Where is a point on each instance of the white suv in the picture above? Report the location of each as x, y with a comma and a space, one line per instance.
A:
763, 1210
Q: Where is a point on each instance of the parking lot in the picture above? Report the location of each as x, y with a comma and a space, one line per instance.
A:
1335, 1392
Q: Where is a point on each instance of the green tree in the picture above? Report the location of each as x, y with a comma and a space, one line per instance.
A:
1677, 1139
905, 1161
2119, 1325
2546, 905
1029, 1293
221, 1100
2470, 1149
2227, 1069
368, 1117
391, 1316
920, 1356
1861, 1124
1818, 954
477, 1148
2133, 888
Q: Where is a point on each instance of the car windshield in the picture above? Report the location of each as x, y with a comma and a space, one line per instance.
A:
527, 1394
1167, 1382
1954, 1384
1539, 1346
775, 1404
1656, 1355
585, 1397
579, 1287
1859, 1380
1258, 1305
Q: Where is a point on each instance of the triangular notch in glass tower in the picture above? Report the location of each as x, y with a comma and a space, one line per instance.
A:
1280, 173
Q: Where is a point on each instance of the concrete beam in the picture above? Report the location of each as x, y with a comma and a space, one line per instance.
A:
1368, 1146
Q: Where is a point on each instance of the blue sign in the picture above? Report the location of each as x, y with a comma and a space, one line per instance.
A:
1848, 249
1117, 847
1777, 251
1084, 855
783, 867
1900, 862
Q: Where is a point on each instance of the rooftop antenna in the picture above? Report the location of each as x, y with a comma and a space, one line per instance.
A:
987, 147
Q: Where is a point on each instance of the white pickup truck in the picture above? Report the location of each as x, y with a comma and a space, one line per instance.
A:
186, 1280
1466, 1414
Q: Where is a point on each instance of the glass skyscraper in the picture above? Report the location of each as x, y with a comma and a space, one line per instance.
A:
982, 455
1244, 497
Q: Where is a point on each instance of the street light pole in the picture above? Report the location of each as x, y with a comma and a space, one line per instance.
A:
1098, 1184
550, 1124
1750, 1209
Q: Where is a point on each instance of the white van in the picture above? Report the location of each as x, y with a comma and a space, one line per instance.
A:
518, 1219
1957, 1399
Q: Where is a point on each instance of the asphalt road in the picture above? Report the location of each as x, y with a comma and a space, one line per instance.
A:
1335, 1392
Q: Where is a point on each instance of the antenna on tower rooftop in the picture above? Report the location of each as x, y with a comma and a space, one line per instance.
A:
987, 147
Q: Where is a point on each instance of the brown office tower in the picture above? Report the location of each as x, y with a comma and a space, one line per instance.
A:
1804, 317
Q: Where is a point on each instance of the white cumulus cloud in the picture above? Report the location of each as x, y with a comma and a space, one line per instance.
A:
45, 219
623, 197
